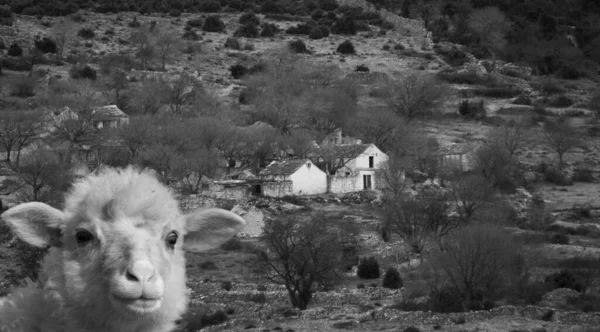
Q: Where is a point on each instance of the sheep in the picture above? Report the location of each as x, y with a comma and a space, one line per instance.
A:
116, 259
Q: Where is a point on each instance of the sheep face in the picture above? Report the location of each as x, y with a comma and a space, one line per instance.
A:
122, 239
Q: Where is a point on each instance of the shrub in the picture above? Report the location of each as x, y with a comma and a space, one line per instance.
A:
344, 26
86, 33
557, 177
233, 43
298, 46
391, 279
368, 268
559, 238
248, 31
585, 302
85, 72
548, 315
213, 23
316, 33
583, 175
249, 18
349, 258
134, 23
496, 92
360, 286
268, 30
216, 318
472, 109
523, 100
549, 86
561, 101
195, 22
454, 56
445, 300
346, 48
362, 68
16, 64
210, 6
399, 47
175, 13
23, 88
15, 50
226, 285
411, 329
258, 298
190, 35
564, 279
233, 244
45, 45
301, 29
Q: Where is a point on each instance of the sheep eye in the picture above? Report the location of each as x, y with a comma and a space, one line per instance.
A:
172, 239
83, 237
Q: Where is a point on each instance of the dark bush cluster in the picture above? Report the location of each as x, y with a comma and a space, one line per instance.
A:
83, 72
247, 30
583, 175
238, 71
249, 18
86, 33
23, 88
559, 238
6, 16
557, 177
475, 110
209, 6
349, 258
233, 43
496, 92
561, 101
368, 268
362, 68
213, 23
298, 46
268, 30
565, 279
346, 48
195, 22
392, 279
45, 45
15, 50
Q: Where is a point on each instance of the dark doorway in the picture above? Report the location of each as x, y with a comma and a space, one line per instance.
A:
367, 182
257, 190
371, 161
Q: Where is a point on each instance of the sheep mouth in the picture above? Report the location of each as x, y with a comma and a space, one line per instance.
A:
139, 305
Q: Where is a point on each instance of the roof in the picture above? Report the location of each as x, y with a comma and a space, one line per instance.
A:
458, 148
346, 150
286, 167
109, 112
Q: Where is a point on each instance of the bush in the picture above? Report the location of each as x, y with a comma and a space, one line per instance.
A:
210, 6
226, 285
316, 33
195, 22
216, 318
362, 68
344, 26
86, 33
298, 46
346, 48
190, 35
411, 329
238, 71
268, 30
175, 13
474, 110
233, 244
233, 43
83, 72
258, 298
391, 279
523, 100
564, 279
399, 47
248, 31
585, 302
559, 238
561, 101
45, 45
23, 88
445, 300
557, 177
349, 258
213, 23
583, 175
368, 268
15, 50
249, 18
16, 64
134, 23
496, 92
301, 29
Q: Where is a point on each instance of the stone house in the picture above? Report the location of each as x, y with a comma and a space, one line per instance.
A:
109, 116
360, 171
337, 138
458, 155
291, 177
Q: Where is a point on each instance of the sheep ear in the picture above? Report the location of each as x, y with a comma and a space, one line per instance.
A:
35, 223
209, 228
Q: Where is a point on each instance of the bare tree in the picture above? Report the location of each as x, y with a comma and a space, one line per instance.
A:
478, 259
415, 95
34, 57
137, 135
17, 130
114, 84
377, 126
562, 136
302, 254
38, 172
300, 142
491, 26
405, 216
148, 97
180, 93
195, 165
471, 193
143, 41
166, 45
62, 34
510, 137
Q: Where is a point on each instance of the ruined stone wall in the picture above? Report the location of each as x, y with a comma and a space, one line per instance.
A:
401, 23
277, 189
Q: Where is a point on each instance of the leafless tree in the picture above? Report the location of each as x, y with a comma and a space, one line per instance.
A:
301, 254
180, 93
193, 166
143, 41
114, 84
17, 130
478, 259
62, 34
377, 126
137, 135
491, 26
405, 216
39, 172
300, 142
510, 137
148, 97
562, 136
167, 43
415, 95
471, 193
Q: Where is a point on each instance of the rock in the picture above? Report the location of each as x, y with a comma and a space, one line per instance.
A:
255, 220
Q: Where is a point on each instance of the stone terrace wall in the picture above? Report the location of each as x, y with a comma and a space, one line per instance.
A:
398, 21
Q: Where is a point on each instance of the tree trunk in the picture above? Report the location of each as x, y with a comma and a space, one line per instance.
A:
329, 181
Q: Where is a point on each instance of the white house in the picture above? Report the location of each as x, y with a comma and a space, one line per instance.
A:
296, 176
458, 155
360, 171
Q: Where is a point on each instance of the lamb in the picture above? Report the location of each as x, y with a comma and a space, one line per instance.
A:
116, 259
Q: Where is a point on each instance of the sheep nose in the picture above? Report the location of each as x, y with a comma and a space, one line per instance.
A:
140, 271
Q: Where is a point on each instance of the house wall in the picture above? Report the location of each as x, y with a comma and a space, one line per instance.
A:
277, 189
232, 193
358, 167
344, 184
463, 162
309, 180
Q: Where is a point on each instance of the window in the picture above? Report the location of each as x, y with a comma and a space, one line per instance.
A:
371, 161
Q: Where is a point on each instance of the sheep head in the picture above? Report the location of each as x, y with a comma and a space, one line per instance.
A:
122, 238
